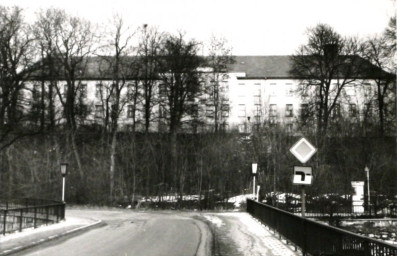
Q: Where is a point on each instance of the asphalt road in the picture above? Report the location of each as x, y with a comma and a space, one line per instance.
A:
136, 234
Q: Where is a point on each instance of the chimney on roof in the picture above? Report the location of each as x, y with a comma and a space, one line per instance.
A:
331, 50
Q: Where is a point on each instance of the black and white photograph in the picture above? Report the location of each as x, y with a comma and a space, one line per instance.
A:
198, 128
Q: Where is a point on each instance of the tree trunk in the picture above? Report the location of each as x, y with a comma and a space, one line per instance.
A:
112, 165
76, 154
10, 174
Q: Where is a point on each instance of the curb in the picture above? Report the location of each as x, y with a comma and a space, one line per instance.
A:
75, 231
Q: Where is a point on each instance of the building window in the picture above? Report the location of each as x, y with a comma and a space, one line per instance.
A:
289, 127
289, 110
130, 92
290, 90
36, 92
225, 110
98, 91
114, 111
65, 90
224, 126
83, 91
98, 111
304, 90
336, 111
242, 128
352, 110
368, 110
162, 111
257, 99
304, 110
194, 110
163, 90
368, 93
210, 89
273, 89
130, 111
113, 92
209, 111
257, 110
242, 110
272, 110
82, 109
350, 91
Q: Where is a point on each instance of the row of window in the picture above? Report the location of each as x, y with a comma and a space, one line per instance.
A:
99, 110
289, 110
273, 111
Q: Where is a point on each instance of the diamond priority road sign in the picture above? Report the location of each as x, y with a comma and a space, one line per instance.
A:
303, 150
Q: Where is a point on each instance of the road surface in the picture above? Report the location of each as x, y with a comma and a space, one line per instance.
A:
128, 234
168, 233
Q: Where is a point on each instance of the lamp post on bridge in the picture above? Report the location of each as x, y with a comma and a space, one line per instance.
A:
64, 172
254, 168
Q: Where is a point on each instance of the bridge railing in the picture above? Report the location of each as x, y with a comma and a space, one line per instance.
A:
20, 214
315, 238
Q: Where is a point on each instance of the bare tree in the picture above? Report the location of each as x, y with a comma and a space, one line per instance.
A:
180, 81
390, 35
325, 65
45, 31
16, 58
119, 47
66, 41
179, 77
377, 52
218, 60
148, 52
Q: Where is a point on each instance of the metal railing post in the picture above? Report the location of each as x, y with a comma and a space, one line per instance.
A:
46, 217
35, 217
20, 221
5, 222
57, 212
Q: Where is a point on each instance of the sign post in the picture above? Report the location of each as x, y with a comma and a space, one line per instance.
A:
254, 168
303, 151
257, 192
368, 193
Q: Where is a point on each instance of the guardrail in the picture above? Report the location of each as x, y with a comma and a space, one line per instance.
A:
314, 238
20, 214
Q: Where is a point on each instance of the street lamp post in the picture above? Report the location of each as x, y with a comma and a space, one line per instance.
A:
254, 168
368, 193
64, 171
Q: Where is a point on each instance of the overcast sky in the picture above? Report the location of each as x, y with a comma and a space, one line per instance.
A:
252, 27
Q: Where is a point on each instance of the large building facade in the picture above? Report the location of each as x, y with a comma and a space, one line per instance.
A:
255, 90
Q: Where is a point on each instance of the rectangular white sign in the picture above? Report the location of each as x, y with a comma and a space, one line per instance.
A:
302, 175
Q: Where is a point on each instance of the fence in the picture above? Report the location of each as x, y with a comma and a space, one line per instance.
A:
20, 214
316, 211
336, 208
315, 238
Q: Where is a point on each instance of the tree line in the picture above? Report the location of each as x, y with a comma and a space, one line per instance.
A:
108, 164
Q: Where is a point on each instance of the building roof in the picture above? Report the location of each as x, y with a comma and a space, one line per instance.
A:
262, 66
279, 67
254, 67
